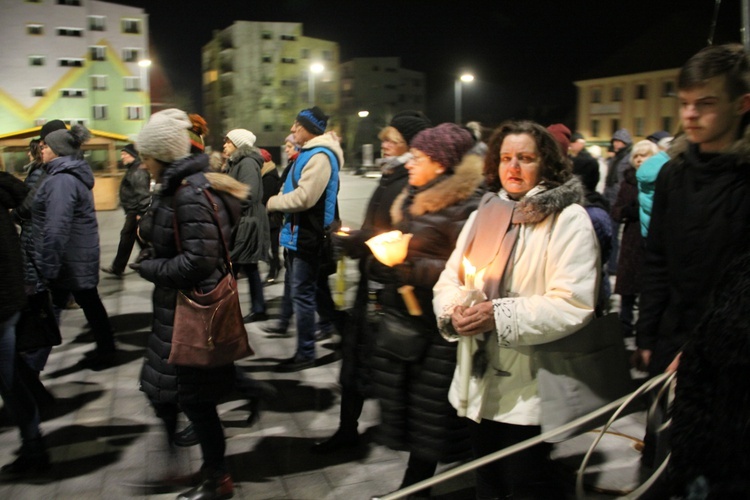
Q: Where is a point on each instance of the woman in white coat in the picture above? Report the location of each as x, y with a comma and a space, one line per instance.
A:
536, 259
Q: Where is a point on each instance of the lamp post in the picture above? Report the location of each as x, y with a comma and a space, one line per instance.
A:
145, 64
315, 68
458, 87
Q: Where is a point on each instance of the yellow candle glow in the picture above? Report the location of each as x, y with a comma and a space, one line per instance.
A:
343, 231
469, 273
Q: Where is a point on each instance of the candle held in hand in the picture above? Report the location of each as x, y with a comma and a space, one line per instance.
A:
469, 273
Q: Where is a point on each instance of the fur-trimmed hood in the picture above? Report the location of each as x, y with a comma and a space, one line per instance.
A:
455, 188
225, 183
740, 147
542, 202
245, 151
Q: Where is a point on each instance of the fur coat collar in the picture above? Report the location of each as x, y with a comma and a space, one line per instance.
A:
458, 187
542, 202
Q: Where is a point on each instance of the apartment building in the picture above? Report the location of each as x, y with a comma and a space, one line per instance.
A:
259, 75
640, 102
81, 61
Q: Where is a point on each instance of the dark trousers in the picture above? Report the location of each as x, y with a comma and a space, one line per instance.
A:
207, 425
94, 311
275, 264
526, 474
127, 241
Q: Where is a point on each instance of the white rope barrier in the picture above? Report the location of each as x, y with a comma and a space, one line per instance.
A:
617, 406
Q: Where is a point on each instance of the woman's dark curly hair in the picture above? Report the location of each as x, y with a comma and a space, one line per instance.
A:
555, 167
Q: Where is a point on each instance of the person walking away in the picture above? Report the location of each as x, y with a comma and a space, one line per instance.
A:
271, 185
135, 197
66, 237
251, 236
308, 200
196, 263
18, 400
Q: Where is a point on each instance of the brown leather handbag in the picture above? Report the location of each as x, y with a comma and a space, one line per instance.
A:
208, 329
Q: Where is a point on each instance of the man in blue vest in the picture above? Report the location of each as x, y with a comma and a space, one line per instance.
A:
308, 201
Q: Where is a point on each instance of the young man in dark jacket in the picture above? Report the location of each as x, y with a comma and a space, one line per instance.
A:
701, 213
135, 197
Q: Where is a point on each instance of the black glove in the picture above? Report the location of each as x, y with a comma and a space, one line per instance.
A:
135, 266
146, 253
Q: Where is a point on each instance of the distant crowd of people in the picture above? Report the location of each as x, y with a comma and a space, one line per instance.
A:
523, 220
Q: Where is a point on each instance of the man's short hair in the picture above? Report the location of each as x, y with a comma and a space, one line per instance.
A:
729, 60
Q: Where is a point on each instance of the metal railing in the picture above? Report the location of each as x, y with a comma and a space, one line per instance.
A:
615, 407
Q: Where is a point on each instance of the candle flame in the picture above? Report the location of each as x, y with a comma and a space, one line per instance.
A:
469, 273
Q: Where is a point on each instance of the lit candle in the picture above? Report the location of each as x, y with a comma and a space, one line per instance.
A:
469, 273
343, 231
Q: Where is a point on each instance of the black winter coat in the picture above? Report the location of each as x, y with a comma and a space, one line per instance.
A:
66, 232
271, 187
415, 412
356, 345
700, 223
626, 211
135, 189
200, 265
22, 217
12, 296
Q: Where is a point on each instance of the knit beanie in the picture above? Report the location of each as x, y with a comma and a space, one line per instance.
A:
446, 144
241, 138
67, 142
51, 126
313, 120
130, 149
165, 136
561, 133
197, 132
409, 123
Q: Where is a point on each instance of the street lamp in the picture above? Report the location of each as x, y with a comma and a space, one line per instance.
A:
315, 68
458, 87
145, 64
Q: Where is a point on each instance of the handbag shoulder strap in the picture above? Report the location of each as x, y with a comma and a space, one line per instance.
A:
214, 213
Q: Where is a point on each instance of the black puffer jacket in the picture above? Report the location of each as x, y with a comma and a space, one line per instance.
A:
135, 194
200, 265
415, 412
66, 232
12, 296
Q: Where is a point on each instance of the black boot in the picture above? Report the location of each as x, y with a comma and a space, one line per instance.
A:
186, 437
32, 459
212, 488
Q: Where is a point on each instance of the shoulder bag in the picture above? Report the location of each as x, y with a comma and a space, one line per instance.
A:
37, 327
208, 329
581, 373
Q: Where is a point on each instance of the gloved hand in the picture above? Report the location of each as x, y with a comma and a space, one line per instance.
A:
135, 266
146, 253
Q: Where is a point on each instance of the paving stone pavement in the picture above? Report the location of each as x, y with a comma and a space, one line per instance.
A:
105, 441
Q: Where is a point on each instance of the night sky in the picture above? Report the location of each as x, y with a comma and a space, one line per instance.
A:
525, 54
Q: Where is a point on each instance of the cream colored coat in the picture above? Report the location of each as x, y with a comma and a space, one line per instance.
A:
550, 293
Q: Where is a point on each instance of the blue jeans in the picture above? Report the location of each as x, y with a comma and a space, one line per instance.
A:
300, 283
16, 396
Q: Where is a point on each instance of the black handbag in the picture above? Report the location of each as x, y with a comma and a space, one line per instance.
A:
37, 327
401, 336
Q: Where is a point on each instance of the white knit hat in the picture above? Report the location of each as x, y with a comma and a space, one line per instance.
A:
241, 137
165, 136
